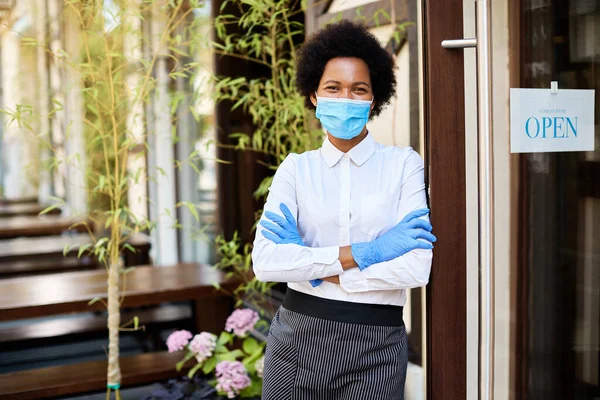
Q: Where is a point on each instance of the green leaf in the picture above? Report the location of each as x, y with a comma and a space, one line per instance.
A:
254, 390
101, 242
191, 208
50, 208
189, 355
251, 360
82, 249
178, 51
136, 322
93, 109
224, 338
193, 371
130, 248
231, 356
94, 300
250, 345
101, 182
209, 365
261, 324
127, 270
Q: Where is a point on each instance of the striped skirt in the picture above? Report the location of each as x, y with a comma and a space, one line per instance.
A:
320, 349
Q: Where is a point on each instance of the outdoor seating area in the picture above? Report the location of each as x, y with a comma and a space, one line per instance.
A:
44, 303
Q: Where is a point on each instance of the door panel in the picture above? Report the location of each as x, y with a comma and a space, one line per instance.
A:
445, 144
557, 346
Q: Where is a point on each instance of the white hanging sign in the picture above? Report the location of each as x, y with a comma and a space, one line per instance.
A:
551, 120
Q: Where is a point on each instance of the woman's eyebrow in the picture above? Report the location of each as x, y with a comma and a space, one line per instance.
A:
362, 83
331, 81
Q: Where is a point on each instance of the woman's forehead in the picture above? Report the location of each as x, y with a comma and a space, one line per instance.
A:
346, 69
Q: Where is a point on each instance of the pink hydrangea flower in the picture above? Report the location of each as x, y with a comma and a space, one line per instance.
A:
178, 340
240, 322
203, 345
232, 378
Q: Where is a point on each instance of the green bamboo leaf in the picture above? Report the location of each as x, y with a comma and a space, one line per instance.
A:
101, 182
127, 270
191, 208
177, 74
178, 51
50, 208
92, 108
82, 249
101, 242
130, 248
94, 300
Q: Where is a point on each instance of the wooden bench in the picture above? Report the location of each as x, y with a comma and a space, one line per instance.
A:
14, 210
90, 376
70, 292
19, 200
41, 225
34, 255
50, 265
62, 330
55, 294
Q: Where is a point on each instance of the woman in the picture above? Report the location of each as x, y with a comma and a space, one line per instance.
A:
362, 236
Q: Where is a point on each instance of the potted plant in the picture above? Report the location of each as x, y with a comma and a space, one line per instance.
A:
229, 365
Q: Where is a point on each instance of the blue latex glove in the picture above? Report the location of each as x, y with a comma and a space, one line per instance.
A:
284, 230
396, 242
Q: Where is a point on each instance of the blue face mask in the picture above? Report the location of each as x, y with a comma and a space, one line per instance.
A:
343, 118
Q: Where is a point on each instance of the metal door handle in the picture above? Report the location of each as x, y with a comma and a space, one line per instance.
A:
459, 43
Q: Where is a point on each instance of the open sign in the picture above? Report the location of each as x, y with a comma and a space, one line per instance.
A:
545, 121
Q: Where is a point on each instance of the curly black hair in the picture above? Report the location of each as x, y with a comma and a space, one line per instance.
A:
346, 39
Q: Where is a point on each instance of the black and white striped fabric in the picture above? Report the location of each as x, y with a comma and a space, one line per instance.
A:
309, 358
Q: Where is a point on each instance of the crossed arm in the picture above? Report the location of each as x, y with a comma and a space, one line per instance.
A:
401, 258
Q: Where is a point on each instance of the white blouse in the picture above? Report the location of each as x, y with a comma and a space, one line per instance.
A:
339, 199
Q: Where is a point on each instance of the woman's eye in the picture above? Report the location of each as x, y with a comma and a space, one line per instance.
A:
331, 88
360, 90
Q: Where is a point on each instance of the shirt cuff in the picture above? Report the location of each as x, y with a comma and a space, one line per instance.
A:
353, 281
326, 259
324, 255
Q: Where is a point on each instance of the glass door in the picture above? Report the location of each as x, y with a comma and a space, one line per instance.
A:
558, 301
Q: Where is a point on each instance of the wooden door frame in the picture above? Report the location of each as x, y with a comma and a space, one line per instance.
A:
445, 157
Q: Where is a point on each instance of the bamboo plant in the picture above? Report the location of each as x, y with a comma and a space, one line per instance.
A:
117, 82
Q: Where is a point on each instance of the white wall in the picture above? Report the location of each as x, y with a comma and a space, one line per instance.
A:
18, 88
75, 149
341, 5
392, 127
